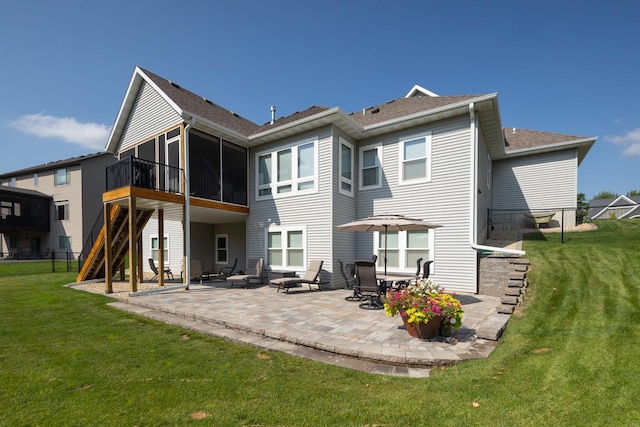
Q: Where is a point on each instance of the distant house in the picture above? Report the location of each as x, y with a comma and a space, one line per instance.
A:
216, 186
50, 208
621, 207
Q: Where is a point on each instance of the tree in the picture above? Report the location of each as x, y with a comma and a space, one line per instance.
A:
582, 208
606, 195
633, 193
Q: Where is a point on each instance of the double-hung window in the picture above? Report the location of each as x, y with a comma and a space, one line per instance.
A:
404, 248
370, 167
222, 248
289, 171
62, 176
346, 168
155, 247
286, 248
415, 158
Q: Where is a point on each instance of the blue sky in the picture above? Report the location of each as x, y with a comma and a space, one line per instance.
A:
558, 66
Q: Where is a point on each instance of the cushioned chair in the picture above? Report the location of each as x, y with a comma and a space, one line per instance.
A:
311, 277
254, 274
368, 285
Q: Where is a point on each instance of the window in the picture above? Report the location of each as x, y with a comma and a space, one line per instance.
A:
62, 176
62, 210
294, 169
370, 167
346, 168
12, 182
222, 248
35, 179
415, 153
155, 242
64, 242
285, 248
404, 248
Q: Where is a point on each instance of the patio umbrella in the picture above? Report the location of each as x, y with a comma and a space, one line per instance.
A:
386, 223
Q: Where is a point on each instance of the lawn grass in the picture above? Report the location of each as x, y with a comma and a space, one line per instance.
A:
568, 357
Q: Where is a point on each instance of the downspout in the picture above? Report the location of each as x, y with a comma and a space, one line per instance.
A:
474, 193
187, 204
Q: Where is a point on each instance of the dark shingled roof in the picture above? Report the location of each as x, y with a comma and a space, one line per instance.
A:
53, 165
404, 107
523, 138
298, 115
23, 191
202, 107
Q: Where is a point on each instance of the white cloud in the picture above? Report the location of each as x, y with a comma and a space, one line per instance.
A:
68, 129
630, 142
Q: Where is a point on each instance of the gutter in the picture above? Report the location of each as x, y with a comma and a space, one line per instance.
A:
473, 193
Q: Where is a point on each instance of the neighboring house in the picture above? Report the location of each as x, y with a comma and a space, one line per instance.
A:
65, 194
621, 207
279, 190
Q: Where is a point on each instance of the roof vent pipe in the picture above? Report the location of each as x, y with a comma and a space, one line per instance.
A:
273, 114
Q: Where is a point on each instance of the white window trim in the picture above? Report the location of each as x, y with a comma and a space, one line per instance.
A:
166, 248
67, 213
226, 249
342, 179
284, 231
402, 252
378, 148
295, 179
401, 160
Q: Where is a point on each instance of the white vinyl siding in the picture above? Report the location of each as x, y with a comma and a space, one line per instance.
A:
311, 210
150, 115
542, 181
444, 200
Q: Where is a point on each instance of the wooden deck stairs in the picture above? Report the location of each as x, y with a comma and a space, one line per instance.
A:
94, 267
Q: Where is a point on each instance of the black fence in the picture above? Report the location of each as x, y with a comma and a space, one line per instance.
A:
54, 262
506, 223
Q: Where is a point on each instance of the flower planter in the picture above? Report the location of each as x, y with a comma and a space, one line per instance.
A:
423, 330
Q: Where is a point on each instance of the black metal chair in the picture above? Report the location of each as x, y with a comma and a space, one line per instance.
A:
426, 267
368, 285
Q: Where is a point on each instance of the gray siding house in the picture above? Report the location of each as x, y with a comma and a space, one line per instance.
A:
279, 190
75, 187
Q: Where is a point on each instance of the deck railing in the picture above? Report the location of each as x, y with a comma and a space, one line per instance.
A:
136, 172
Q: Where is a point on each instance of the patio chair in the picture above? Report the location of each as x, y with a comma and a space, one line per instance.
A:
254, 274
311, 277
368, 285
349, 275
153, 267
224, 272
426, 267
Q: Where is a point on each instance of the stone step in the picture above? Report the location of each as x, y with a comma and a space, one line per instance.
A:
518, 275
513, 292
506, 309
520, 261
510, 300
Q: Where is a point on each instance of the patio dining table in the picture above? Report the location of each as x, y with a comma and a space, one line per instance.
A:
393, 281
